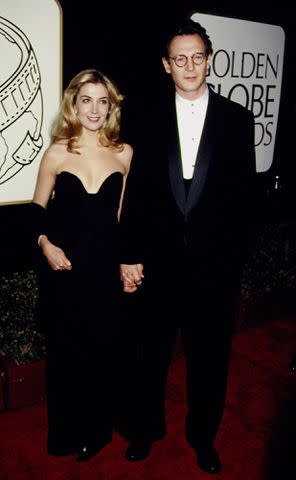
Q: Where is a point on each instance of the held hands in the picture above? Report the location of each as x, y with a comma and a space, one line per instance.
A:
54, 255
131, 276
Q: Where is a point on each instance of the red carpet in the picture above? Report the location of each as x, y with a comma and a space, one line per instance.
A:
256, 440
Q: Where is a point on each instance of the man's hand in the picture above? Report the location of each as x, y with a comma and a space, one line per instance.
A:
131, 276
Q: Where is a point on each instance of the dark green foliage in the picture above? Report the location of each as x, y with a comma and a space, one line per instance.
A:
271, 263
21, 339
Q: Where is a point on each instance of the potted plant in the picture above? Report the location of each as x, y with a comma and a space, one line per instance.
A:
270, 270
22, 342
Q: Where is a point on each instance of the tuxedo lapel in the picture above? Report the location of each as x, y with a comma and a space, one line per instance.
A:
203, 158
200, 170
174, 157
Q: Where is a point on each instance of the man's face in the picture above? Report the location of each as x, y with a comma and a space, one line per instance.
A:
190, 79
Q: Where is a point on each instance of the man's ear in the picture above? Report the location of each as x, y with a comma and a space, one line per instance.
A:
166, 65
209, 61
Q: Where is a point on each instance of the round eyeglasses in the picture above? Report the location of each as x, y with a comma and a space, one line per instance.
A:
182, 60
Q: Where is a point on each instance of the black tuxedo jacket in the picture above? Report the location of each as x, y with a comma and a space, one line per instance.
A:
158, 219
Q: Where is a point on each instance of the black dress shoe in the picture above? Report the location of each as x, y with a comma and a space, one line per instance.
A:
138, 451
208, 460
88, 451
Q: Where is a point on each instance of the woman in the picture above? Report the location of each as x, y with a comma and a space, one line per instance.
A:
80, 189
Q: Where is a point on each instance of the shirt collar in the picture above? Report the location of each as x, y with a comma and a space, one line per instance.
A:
197, 102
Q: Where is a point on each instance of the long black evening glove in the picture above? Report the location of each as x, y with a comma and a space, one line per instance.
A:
37, 221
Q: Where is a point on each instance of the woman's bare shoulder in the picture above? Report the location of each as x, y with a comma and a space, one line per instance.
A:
127, 150
126, 155
58, 148
55, 154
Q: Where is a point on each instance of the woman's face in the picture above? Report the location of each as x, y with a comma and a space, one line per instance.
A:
92, 105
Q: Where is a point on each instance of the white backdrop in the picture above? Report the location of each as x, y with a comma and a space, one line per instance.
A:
247, 67
30, 91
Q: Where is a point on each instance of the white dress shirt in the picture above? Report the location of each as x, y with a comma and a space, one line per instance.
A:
191, 117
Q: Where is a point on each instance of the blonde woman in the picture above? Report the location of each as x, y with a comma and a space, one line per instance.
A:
79, 193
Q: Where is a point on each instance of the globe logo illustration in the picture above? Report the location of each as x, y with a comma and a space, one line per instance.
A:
21, 105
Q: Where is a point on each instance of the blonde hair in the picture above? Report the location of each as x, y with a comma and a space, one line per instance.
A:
69, 128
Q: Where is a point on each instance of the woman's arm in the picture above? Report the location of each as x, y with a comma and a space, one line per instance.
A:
43, 191
126, 158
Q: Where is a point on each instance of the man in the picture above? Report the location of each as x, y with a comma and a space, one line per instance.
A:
187, 206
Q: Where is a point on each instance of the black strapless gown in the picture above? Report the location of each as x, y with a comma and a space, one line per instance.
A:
80, 312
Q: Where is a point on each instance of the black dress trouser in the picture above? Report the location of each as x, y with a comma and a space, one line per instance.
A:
203, 307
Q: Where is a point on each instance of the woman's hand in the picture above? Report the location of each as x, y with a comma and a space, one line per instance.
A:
54, 255
131, 276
